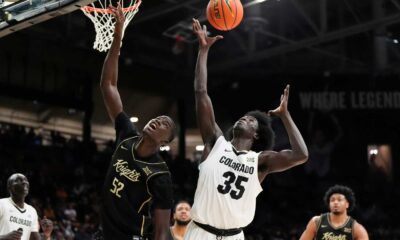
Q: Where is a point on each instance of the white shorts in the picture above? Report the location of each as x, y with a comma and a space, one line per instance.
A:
194, 232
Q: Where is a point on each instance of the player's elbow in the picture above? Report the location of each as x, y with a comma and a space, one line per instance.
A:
301, 157
302, 160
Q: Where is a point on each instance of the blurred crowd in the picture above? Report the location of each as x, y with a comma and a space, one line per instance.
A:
66, 177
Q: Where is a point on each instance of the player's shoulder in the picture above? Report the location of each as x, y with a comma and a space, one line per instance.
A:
267, 154
316, 217
218, 143
30, 208
359, 231
3, 202
316, 221
358, 226
222, 139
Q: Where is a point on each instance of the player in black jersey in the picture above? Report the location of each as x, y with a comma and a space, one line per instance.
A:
137, 193
336, 224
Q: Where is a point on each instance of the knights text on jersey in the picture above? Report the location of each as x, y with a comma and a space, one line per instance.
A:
128, 192
133, 186
227, 187
326, 231
12, 218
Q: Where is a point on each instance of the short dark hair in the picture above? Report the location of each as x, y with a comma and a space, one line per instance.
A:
266, 136
344, 190
179, 202
174, 130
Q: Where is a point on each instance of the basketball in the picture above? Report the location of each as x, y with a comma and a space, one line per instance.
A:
224, 15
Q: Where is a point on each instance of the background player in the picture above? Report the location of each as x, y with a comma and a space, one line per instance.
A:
19, 220
137, 177
336, 224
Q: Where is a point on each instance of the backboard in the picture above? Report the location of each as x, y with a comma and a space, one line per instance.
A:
19, 14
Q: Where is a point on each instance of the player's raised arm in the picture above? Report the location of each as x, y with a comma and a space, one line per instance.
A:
204, 109
109, 75
271, 161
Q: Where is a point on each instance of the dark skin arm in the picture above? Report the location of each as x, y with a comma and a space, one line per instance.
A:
109, 75
209, 129
271, 161
161, 223
311, 230
359, 232
14, 235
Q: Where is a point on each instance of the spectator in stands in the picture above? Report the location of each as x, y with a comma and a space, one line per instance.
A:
181, 219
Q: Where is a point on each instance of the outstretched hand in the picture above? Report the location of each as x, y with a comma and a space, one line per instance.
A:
282, 109
119, 18
201, 32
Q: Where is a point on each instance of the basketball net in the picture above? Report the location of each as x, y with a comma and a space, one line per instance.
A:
104, 21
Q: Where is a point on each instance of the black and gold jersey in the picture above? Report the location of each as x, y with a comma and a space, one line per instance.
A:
131, 186
326, 231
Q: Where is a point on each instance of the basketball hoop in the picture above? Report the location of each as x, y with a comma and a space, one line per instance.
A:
104, 21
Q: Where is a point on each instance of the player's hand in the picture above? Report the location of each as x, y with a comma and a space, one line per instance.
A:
201, 32
47, 227
282, 109
14, 235
119, 18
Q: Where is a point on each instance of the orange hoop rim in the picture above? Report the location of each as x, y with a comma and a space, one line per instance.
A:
108, 11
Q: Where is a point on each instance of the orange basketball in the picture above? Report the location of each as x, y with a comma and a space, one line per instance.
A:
224, 15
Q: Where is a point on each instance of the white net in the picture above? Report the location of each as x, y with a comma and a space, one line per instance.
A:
104, 21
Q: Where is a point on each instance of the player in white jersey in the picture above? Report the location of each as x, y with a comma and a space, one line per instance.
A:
231, 171
19, 220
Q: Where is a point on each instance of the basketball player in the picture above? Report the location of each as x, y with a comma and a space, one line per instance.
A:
19, 220
336, 224
231, 171
181, 219
137, 177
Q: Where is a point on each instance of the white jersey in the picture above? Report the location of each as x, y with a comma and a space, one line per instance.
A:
227, 187
12, 218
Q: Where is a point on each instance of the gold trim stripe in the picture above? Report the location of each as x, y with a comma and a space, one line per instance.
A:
142, 228
141, 206
126, 139
339, 227
157, 173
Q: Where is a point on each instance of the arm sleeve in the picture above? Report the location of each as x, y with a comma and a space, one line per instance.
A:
161, 190
35, 223
124, 128
1, 210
